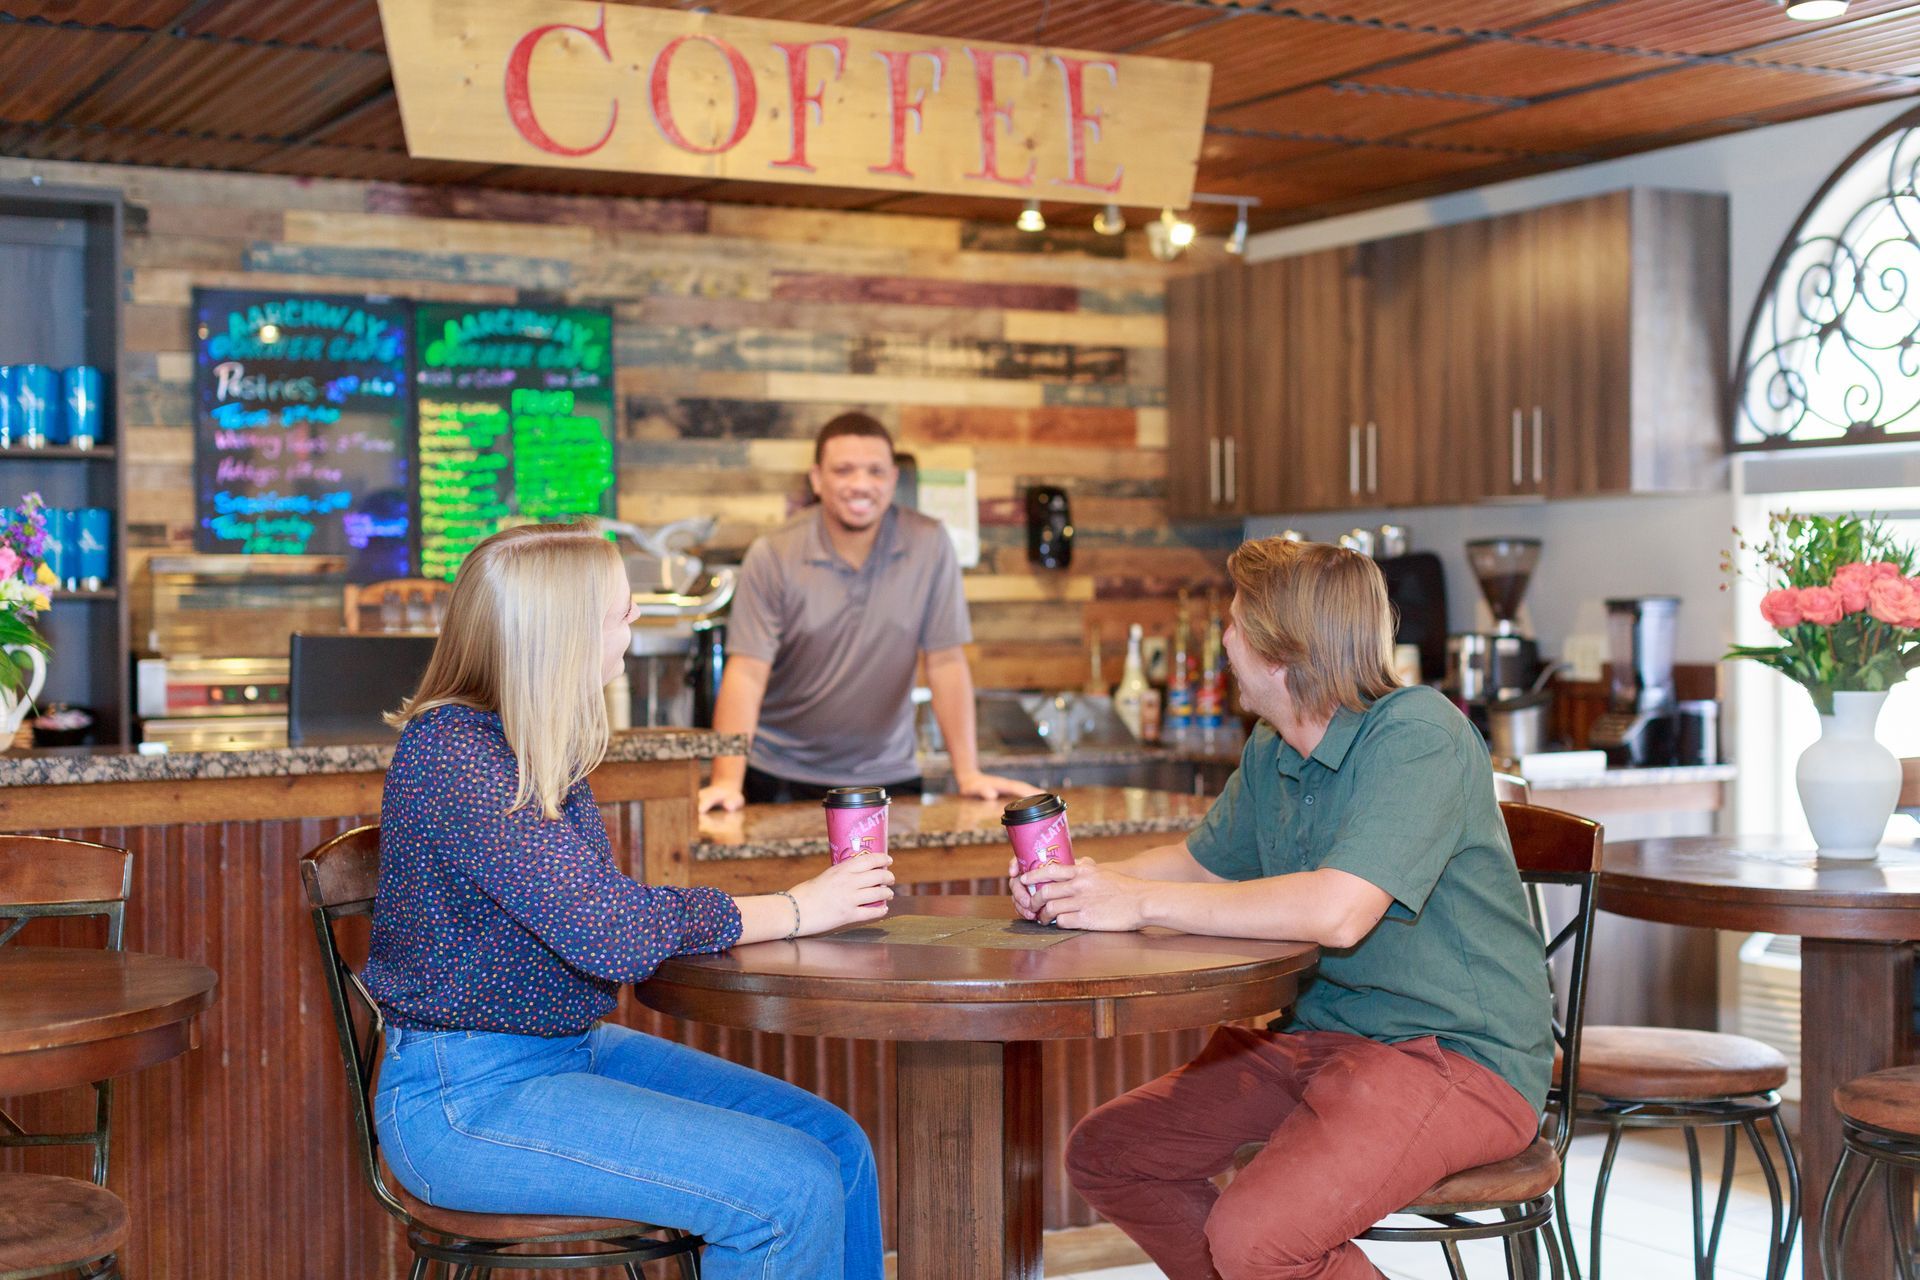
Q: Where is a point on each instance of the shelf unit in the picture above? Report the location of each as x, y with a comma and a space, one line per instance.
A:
60, 300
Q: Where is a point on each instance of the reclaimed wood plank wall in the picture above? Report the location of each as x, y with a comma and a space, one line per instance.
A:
741, 330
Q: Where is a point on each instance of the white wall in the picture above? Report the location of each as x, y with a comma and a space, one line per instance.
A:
1620, 546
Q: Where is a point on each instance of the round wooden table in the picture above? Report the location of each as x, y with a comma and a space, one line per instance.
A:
969, 993
73, 1015
1857, 923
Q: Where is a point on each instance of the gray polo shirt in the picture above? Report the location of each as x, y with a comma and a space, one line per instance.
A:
843, 643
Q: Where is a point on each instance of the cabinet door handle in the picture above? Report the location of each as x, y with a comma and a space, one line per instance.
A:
1538, 465
1373, 457
1230, 485
1353, 458
1516, 446
1213, 471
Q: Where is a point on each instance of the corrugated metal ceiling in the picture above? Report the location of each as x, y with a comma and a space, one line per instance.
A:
1316, 108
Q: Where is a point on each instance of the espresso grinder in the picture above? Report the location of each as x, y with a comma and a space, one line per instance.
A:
1641, 723
1500, 666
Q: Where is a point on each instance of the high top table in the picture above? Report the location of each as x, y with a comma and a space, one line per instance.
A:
73, 1015
970, 992
1857, 923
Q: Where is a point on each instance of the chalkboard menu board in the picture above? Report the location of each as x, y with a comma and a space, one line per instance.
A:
516, 419
302, 441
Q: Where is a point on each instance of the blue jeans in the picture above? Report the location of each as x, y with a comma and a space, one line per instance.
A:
617, 1124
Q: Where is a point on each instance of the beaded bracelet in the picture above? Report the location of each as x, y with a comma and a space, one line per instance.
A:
796, 915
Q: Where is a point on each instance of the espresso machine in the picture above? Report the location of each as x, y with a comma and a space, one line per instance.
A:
1641, 724
1485, 668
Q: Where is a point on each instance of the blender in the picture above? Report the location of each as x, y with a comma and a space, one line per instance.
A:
1493, 674
1640, 726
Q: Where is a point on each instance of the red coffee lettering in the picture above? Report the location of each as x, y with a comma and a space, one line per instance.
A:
900, 106
746, 95
1080, 122
994, 113
520, 98
798, 99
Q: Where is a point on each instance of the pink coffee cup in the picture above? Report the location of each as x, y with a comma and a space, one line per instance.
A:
1037, 826
856, 822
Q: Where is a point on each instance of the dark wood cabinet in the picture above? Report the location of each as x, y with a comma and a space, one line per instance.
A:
1208, 361
1569, 351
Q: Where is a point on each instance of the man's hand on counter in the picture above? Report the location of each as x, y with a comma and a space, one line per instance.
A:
987, 786
721, 796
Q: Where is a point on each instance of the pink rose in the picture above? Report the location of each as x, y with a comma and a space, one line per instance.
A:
1781, 608
1851, 581
1896, 602
9, 562
1820, 606
1881, 569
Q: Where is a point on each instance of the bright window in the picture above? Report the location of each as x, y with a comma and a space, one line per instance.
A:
1833, 351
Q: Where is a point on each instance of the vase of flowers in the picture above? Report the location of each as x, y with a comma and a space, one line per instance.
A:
1844, 598
25, 583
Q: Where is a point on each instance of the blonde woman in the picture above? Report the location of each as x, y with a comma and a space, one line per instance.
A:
502, 932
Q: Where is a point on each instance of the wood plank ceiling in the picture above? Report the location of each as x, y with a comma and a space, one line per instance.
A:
1324, 108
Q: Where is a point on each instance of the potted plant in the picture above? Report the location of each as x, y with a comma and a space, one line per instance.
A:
25, 584
1844, 598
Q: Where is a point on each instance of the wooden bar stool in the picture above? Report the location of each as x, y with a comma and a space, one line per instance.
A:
1550, 848
1879, 1124
341, 876
52, 1224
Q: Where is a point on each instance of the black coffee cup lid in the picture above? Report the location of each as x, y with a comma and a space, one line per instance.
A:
1032, 808
855, 797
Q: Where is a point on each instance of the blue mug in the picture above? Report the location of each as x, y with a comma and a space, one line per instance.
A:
80, 391
61, 555
92, 529
36, 392
9, 406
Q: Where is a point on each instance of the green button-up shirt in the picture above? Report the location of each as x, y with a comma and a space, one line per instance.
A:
1401, 796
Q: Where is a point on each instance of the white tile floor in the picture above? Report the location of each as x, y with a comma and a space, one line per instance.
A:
1648, 1232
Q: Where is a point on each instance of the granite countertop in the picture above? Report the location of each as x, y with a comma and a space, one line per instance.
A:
938, 822
936, 765
1673, 776
77, 765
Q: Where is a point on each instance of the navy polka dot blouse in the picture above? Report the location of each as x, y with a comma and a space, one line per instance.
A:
493, 921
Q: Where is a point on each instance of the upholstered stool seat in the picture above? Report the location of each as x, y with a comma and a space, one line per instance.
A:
511, 1228
50, 1224
1880, 1126
1885, 1100
1668, 1063
1669, 1078
1528, 1176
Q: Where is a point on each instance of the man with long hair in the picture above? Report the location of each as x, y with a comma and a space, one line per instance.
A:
1362, 818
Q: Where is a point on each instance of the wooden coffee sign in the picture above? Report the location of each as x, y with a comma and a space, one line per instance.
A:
644, 90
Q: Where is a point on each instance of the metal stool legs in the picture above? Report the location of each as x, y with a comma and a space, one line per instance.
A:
1729, 1115
1887, 1155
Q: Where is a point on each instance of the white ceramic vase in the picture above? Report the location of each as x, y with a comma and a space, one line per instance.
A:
1848, 782
14, 708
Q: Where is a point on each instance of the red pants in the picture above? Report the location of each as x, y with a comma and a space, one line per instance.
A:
1355, 1130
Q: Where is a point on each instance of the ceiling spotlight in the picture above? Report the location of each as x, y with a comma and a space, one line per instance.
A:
1814, 10
1030, 218
1108, 221
1237, 242
1168, 236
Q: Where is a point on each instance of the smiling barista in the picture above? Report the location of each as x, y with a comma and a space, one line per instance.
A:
832, 612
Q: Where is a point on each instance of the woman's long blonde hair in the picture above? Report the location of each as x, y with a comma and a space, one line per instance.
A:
522, 637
